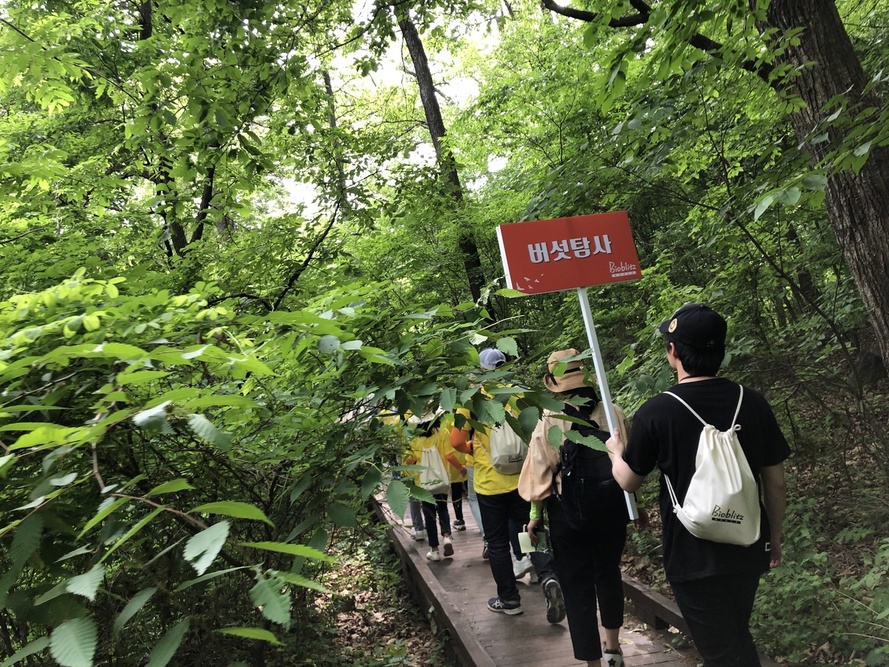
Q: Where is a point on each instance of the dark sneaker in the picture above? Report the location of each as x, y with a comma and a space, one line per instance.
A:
513, 608
555, 603
459, 524
485, 551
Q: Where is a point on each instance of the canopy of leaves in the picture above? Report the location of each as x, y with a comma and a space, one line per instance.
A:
231, 262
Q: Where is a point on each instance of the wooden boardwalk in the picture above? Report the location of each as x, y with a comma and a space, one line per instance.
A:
455, 592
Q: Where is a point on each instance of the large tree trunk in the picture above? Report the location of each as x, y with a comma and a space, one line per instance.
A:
447, 164
857, 204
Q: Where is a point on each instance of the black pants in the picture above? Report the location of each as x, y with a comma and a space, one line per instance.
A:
717, 611
587, 561
498, 512
457, 500
438, 510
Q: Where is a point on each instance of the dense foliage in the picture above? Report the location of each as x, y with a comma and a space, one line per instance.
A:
235, 234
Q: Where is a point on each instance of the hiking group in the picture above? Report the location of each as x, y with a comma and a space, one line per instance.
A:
721, 495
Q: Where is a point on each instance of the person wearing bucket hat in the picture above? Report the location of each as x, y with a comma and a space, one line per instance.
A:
714, 584
587, 531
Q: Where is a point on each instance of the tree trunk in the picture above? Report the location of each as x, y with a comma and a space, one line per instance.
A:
447, 164
857, 204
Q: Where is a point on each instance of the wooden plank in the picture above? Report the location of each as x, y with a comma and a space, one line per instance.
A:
456, 590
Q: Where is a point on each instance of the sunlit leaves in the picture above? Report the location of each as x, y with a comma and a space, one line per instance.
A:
238, 510
86, 584
272, 599
251, 633
206, 430
202, 548
73, 643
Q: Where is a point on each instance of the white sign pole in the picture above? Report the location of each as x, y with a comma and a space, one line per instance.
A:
603, 381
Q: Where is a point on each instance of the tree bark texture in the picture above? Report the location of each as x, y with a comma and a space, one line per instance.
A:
857, 204
447, 164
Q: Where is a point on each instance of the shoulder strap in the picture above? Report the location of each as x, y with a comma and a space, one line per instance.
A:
701, 419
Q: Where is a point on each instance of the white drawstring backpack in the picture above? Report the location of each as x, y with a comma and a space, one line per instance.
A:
722, 501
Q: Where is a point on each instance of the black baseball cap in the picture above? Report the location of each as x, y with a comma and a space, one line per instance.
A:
696, 325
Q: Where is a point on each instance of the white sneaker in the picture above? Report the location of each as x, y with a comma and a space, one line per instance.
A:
612, 658
521, 567
433, 555
420, 535
447, 546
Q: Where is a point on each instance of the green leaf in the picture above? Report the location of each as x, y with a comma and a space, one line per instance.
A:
448, 399
554, 437
292, 549
863, 149
371, 481
172, 486
814, 181
397, 497
342, 515
763, 206
139, 377
87, 584
166, 648
154, 419
26, 539
51, 594
328, 344
36, 646
590, 36
202, 549
227, 400
73, 643
299, 580
274, 604
789, 196
204, 429
133, 606
105, 508
251, 633
509, 293
6, 463
590, 441
131, 533
234, 509
207, 577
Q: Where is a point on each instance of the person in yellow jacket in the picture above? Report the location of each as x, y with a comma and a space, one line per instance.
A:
499, 502
430, 435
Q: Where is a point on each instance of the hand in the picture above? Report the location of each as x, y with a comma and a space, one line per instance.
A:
642, 522
532, 530
775, 554
615, 443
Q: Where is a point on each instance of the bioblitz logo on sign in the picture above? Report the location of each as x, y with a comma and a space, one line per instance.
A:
564, 253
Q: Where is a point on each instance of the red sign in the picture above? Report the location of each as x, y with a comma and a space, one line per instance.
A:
565, 253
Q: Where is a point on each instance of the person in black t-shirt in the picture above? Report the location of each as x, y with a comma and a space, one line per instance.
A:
714, 584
